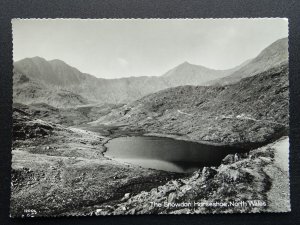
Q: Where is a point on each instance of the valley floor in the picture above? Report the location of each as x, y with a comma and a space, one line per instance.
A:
60, 171
63, 170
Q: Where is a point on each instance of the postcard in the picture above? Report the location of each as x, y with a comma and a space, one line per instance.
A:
150, 116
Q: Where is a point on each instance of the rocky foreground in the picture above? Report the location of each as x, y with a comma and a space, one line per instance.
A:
257, 182
59, 171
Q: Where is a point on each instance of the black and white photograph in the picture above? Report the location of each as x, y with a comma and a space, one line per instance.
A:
149, 116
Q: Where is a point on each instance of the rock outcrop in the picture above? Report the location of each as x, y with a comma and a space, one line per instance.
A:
239, 186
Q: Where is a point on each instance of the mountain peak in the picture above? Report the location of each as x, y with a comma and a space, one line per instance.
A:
38, 58
185, 63
57, 61
35, 59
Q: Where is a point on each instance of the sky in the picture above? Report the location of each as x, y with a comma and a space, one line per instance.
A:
113, 48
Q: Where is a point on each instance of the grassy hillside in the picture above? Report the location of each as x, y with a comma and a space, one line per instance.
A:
72, 116
254, 110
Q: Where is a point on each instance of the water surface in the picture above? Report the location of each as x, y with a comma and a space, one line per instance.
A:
167, 154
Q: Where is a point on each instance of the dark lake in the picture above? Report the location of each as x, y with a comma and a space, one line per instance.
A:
167, 154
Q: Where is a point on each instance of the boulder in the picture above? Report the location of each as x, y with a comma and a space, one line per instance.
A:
186, 188
126, 197
229, 159
208, 173
195, 175
171, 197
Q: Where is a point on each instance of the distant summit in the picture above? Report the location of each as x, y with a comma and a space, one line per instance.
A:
56, 74
190, 74
53, 72
274, 55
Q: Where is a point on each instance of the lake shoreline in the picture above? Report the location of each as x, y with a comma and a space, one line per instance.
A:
123, 130
68, 157
74, 156
167, 154
240, 172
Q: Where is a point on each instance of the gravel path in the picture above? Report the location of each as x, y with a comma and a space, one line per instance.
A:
279, 194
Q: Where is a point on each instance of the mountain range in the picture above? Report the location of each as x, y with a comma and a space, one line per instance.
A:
56, 83
253, 110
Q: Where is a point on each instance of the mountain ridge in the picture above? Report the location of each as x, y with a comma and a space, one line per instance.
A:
58, 74
216, 114
274, 55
